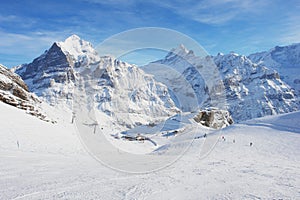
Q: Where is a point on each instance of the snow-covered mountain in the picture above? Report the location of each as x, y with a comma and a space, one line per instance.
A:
116, 87
181, 81
192, 80
253, 90
285, 60
250, 90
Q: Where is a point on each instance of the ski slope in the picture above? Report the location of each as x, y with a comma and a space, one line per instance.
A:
50, 163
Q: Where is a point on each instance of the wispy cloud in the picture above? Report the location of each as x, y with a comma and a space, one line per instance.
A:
290, 32
113, 2
204, 11
214, 11
8, 18
17, 21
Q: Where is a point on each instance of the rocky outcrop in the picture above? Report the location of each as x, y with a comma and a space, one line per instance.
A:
214, 118
14, 91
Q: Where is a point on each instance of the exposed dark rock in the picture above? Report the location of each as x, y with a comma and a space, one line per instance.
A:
214, 118
14, 92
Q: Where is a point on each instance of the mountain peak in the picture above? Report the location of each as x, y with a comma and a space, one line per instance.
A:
73, 37
232, 53
79, 49
182, 47
71, 43
180, 50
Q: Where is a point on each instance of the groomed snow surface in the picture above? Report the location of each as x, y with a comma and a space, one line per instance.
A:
41, 160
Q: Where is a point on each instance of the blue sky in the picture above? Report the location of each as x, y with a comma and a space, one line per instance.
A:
28, 28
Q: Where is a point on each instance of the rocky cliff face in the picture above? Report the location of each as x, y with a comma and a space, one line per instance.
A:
49, 75
53, 65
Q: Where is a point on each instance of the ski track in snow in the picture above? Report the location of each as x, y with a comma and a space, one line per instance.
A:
53, 165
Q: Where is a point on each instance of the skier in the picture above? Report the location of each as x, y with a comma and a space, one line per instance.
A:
73, 117
223, 138
251, 144
233, 140
204, 135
